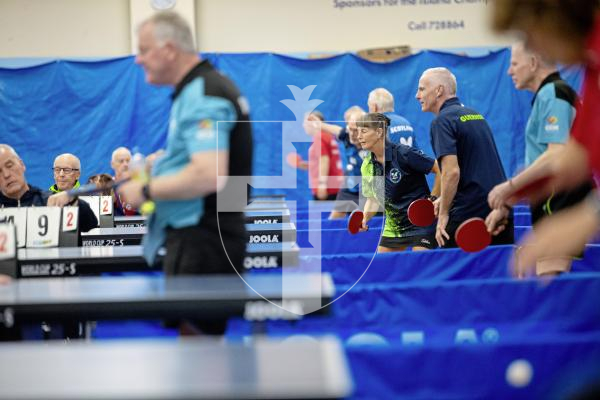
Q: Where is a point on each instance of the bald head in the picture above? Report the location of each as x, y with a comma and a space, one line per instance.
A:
12, 173
120, 162
67, 169
435, 87
4, 148
380, 100
351, 116
69, 160
443, 77
353, 113
120, 152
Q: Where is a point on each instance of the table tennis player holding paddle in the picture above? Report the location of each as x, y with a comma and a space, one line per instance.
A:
471, 235
421, 212
358, 220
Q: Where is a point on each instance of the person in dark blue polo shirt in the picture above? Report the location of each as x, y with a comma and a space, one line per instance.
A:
351, 156
399, 130
393, 176
466, 153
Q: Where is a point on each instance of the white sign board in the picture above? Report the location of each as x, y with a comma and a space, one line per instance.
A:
43, 226
70, 219
106, 205
8, 246
18, 217
94, 202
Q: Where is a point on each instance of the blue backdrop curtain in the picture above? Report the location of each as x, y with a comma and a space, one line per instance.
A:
90, 108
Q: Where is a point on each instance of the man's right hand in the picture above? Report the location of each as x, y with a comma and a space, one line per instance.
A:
436, 206
132, 191
440, 232
496, 220
59, 200
499, 195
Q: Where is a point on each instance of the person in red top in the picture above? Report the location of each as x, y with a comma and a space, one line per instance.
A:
324, 163
568, 32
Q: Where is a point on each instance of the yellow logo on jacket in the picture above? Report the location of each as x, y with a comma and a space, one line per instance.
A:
206, 129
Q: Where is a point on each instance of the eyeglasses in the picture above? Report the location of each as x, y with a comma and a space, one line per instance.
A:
67, 171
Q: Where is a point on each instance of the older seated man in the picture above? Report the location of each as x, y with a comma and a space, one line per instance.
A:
119, 162
15, 192
67, 169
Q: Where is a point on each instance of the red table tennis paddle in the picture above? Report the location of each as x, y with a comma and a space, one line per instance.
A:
293, 159
531, 187
355, 221
472, 235
421, 212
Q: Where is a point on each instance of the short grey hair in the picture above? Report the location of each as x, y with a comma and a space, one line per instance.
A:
354, 110
169, 26
8, 148
383, 99
72, 157
443, 76
118, 149
542, 61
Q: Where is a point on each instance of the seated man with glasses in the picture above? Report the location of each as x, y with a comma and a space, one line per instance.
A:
66, 169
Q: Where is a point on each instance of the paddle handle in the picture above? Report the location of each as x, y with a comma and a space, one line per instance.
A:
91, 188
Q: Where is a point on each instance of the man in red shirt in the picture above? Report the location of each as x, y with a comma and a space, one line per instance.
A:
324, 163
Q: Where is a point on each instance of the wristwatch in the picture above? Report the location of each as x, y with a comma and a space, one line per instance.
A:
146, 191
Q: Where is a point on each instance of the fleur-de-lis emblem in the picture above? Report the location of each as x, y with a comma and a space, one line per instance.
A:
301, 105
